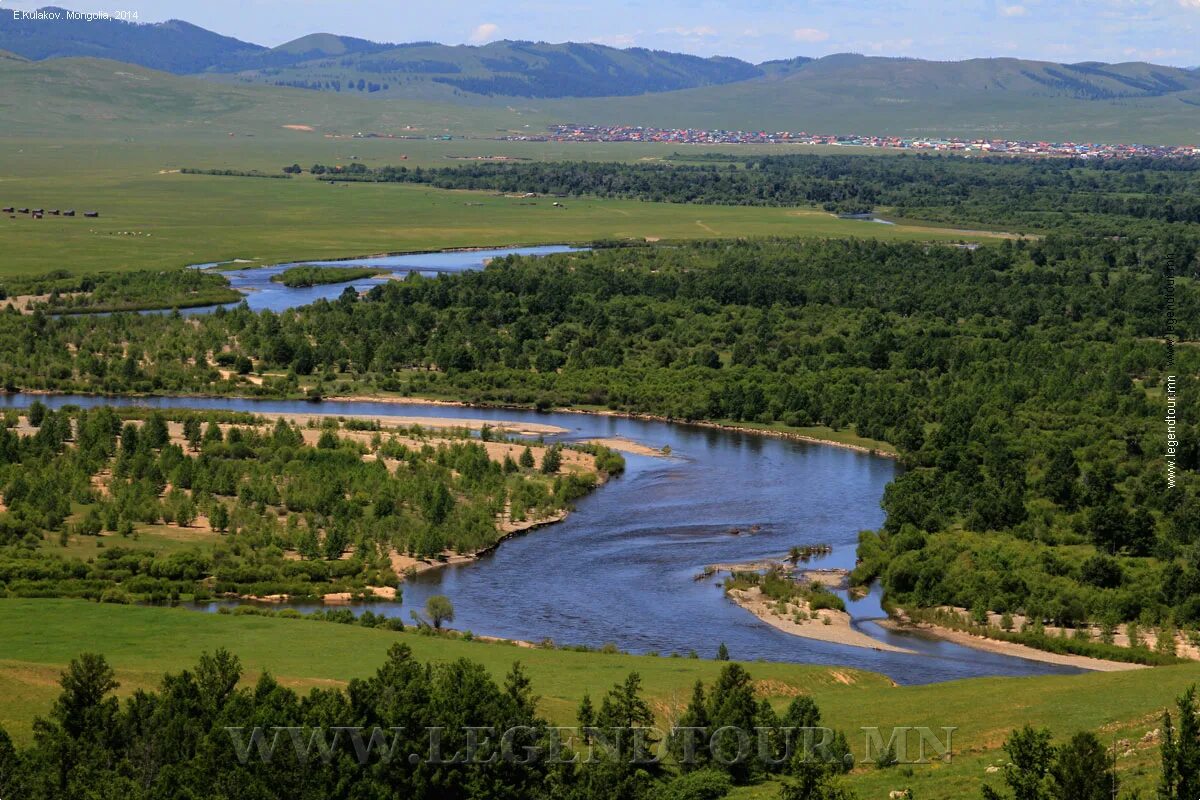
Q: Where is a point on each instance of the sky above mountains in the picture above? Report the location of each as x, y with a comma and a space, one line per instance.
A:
1162, 31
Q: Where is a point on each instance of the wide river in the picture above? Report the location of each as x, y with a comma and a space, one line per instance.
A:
621, 568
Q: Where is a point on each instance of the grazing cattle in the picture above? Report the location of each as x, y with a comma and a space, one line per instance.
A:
69, 213
39, 211
54, 211
8, 210
91, 213
22, 210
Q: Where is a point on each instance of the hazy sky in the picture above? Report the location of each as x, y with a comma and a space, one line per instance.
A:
1165, 31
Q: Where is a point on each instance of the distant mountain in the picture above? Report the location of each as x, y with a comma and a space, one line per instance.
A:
341, 63
505, 69
173, 46
844, 93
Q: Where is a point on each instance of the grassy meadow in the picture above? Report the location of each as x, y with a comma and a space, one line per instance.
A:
94, 135
152, 217
41, 636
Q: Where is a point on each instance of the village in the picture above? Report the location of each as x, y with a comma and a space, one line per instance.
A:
632, 133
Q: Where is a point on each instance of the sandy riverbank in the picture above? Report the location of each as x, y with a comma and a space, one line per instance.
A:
624, 445
390, 421
836, 631
1010, 648
408, 565
799, 437
778, 434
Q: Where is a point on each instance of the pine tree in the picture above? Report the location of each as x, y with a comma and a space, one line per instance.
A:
552, 460
689, 738
586, 716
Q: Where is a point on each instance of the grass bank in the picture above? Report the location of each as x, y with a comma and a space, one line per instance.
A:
40, 636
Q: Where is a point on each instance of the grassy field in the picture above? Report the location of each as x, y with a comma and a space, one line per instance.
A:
155, 219
40, 636
100, 136
153, 539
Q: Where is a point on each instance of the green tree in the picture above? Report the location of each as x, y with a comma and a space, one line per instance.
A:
36, 413
688, 741
552, 460
1181, 751
192, 431
218, 518
1082, 769
439, 609
1027, 775
154, 431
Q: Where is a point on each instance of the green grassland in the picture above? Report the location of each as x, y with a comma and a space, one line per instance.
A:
40, 636
908, 97
97, 135
155, 219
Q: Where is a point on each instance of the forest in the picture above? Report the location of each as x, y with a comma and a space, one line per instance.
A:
1021, 383
301, 512
1076, 194
60, 292
93, 745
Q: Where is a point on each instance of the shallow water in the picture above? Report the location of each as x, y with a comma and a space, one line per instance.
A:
620, 569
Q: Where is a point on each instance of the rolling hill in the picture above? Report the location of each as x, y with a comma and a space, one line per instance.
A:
505, 69
1011, 98
342, 63
173, 46
590, 83
97, 99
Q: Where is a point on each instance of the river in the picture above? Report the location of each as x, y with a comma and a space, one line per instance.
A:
620, 569
263, 294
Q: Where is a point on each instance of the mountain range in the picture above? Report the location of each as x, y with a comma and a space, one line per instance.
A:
599, 84
505, 69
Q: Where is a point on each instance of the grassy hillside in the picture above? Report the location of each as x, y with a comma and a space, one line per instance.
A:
175, 45
343, 63
1005, 98
503, 69
99, 99
40, 636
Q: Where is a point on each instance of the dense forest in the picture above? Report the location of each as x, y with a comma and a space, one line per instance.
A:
60, 292
1022, 384
291, 511
1089, 195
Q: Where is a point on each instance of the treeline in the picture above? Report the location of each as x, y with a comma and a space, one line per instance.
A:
64, 293
92, 744
1054, 193
235, 173
1022, 384
299, 519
